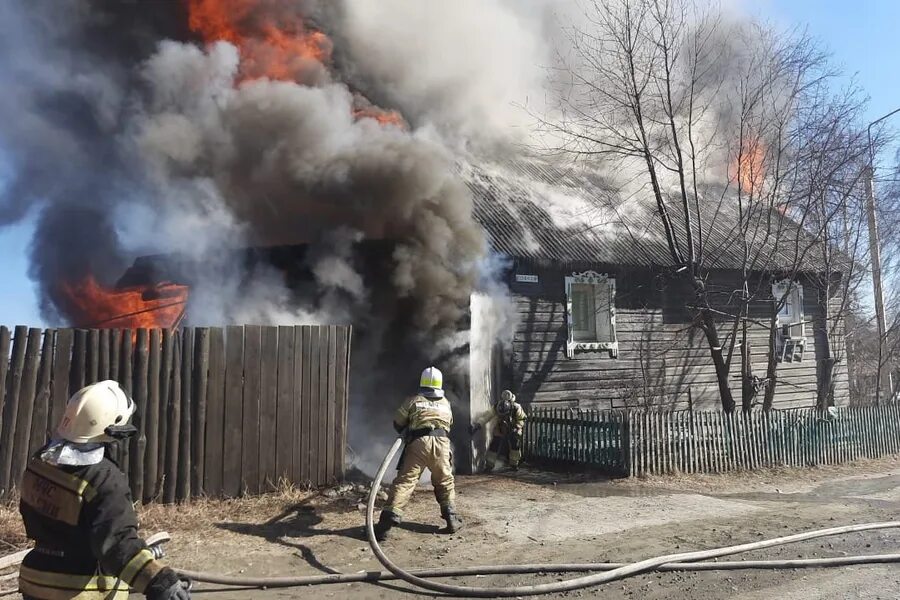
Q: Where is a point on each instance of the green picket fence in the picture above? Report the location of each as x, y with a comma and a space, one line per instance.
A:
585, 437
659, 442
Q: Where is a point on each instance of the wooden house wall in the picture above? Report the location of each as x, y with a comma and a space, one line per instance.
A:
663, 358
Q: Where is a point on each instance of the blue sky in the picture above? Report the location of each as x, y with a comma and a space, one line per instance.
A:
862, 36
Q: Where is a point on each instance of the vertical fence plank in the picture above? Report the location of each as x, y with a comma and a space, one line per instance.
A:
342, 391
137, 452
104, 355
645, 443
268, 406
185, 443
93, 356
62, 361
11, 406
78, 372
151, 451
5, 338
307, 405
126, 379
173, 416
115, 357
300, 459
331, 399
39, 424
201, 391
215, 413
234, 374
165, 392
252, 384
311, 385
285, 432
724, 441
22, 439
323, 429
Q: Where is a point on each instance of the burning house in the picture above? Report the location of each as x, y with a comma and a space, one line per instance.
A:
284, 162
582, 310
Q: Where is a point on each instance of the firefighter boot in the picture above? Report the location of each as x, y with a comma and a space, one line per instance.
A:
386, 521
454, 524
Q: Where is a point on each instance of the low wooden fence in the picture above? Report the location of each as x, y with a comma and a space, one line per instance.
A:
639, 443
585, 437
221, 411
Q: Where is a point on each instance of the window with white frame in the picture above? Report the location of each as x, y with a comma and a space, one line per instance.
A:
791, 334
790, 314
591, 310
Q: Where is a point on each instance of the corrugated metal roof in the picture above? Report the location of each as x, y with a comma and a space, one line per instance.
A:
548, 213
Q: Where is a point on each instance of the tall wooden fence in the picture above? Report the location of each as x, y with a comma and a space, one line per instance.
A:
220, 411
638, 443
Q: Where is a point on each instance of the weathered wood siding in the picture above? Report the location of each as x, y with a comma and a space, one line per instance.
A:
663, 359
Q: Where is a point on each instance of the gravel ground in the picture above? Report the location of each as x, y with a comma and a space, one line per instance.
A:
538, 516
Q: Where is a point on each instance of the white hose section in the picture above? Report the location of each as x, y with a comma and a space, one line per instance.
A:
588, 580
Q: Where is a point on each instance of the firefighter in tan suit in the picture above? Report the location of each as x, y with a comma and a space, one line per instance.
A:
509, 423
424, 420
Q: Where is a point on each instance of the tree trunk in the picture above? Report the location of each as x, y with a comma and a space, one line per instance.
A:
715, 344
771, 363
825, 391
748, 390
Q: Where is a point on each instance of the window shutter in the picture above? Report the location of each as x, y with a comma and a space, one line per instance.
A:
800, 329
603, 299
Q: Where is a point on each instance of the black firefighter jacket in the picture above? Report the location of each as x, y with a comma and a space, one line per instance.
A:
85, 531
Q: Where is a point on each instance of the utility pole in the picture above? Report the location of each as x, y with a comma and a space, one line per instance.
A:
885, 383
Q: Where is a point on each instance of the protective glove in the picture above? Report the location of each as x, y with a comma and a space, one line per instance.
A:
474, 428
167, 585
180, 590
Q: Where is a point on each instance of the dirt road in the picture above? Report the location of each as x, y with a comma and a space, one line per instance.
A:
538, 516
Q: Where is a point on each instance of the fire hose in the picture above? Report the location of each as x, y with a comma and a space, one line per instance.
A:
602, 572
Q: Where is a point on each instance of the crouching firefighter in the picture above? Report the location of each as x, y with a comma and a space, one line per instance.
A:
77, 508
509, 422
424, 420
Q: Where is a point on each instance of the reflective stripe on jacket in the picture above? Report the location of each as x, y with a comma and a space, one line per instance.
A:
85, 531
419, 412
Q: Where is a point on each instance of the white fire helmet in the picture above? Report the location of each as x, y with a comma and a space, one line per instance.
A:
504, 405
96, 413
431, 384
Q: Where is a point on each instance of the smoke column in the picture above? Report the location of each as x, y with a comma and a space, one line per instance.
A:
193, 127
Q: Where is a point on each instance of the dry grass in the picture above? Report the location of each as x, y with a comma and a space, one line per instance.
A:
201, 516
198, 517
782, 477
12, 533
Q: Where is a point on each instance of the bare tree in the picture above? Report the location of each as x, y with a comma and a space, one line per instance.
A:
673, 93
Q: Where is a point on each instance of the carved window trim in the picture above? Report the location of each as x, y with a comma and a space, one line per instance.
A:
595, 279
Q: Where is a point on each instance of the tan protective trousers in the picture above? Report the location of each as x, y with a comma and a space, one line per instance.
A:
428, 452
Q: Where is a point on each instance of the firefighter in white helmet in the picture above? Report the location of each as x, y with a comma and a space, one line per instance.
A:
509, 423
424, 420
77, 508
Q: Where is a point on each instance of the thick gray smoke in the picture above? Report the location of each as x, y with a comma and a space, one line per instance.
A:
126, 135
290, 161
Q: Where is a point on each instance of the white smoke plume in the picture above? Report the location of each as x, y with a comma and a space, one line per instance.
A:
474, 69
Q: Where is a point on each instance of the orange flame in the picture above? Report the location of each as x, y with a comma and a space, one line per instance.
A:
749, 166
384, 117
277, 48
274, 43
90, 304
